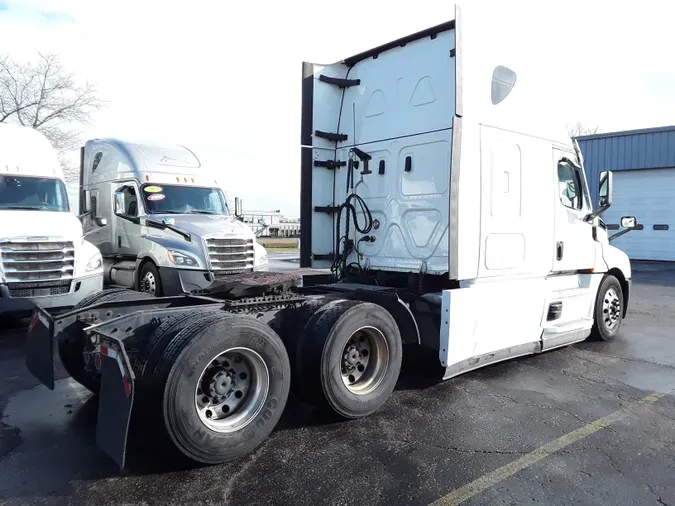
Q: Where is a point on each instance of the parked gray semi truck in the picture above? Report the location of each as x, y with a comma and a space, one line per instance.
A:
449, 221
161, 219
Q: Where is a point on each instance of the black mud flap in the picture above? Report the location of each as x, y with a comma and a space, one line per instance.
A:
116, 399
40, 347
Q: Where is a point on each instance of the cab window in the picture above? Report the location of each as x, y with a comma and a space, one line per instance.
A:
569, 185
127, 202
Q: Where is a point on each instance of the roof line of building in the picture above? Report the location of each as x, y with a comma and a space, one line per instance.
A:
624, 133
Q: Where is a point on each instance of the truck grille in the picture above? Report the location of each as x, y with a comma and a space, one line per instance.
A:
230, 256
18, 290
30, 267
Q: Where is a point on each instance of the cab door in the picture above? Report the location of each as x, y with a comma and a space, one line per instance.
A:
574, 245
127, 226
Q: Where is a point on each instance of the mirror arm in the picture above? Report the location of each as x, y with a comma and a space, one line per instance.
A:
80, 216
619, 234
596, 213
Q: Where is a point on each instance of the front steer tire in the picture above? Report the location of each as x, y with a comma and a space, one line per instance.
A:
192, 352
332, 351
608, 310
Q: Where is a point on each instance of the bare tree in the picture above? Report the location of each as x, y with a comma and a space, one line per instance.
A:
580, 129
45, 96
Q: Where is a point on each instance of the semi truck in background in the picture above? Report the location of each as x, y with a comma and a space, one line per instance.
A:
450, 221
161, 219
44, 257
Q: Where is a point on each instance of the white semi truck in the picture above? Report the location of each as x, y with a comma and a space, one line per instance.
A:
44, 258
449, 223
160, 218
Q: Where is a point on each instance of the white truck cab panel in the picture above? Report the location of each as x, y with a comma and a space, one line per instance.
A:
433, 145
44, 258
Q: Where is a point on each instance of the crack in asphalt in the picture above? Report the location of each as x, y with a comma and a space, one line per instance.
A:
641, 361
593, 381
458, 449
659, 499
477, 451
542, 405
624, 359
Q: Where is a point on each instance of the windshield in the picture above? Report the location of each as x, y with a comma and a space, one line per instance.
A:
174, 199
35, 193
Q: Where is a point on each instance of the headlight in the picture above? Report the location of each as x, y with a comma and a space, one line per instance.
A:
179, 258
94, 264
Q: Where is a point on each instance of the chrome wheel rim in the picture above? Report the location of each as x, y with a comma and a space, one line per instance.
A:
232, 389
364, 360
149, 283
611, 309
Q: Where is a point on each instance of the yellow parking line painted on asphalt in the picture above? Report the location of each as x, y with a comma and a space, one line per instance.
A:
488, 480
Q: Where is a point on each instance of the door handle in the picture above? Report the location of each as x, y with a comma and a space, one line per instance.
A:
559, 250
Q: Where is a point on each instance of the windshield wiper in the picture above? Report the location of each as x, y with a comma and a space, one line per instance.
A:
31, 208
202, 212
161, 225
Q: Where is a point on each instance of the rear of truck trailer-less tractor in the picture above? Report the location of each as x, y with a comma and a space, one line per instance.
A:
205, 376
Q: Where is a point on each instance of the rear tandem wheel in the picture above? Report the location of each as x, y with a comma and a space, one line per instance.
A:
349, 358
222, 384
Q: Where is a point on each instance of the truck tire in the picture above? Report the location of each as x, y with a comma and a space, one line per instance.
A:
292, 326
149, 280
608, 310
147, 399
350, 358
70, 350
225, 384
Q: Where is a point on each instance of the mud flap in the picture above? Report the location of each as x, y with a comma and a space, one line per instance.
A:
40, 347
116, 399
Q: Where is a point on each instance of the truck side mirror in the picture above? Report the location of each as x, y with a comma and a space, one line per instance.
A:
237, 207
605, 190
628, 222
119, 203
100, 221
604, 195
86, 201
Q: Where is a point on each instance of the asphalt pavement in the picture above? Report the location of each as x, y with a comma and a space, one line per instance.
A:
284, 261
588, 424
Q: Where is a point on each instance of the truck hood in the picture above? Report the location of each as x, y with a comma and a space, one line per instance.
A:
17, 223
204, 224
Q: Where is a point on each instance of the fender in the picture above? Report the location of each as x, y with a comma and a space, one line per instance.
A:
385, 297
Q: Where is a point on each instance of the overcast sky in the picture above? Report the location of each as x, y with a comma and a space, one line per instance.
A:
223, 78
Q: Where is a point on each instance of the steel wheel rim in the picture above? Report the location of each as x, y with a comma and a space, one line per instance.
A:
364, 360
149, 283
611, 309
232, 389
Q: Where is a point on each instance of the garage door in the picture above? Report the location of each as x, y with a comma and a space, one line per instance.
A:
649, 195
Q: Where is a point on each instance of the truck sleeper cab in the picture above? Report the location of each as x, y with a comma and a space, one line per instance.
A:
447, 222
44, 258
169, 229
